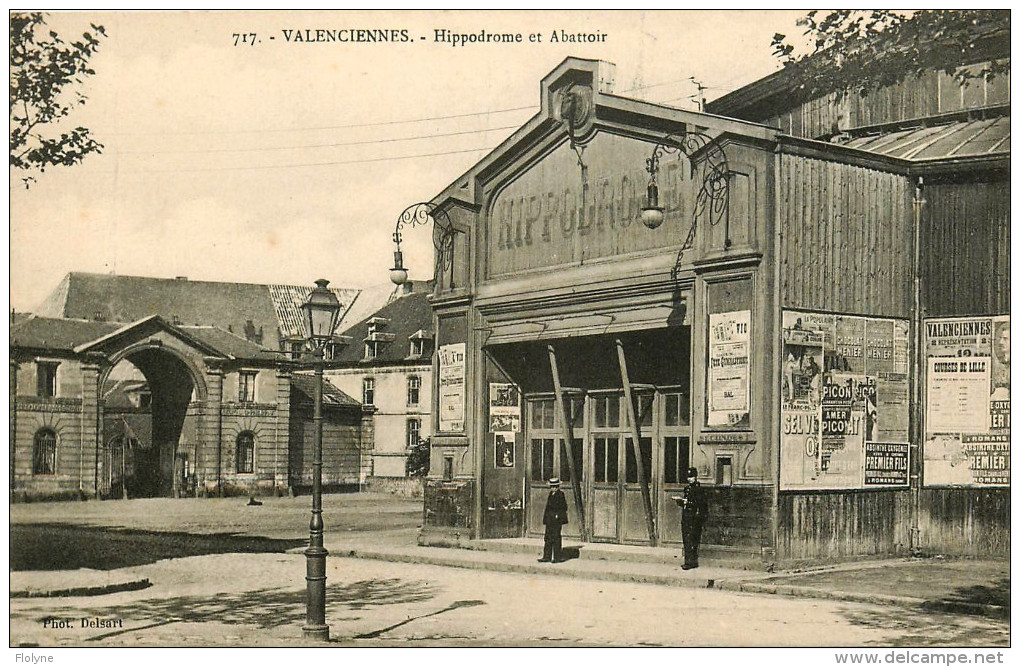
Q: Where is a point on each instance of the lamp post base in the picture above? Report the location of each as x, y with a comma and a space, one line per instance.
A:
315, 622
316, 632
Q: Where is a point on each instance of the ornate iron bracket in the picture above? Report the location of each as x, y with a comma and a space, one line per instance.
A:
713, 200
443, 231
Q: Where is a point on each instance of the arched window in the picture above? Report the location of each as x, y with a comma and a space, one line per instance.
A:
246, 452
44, 452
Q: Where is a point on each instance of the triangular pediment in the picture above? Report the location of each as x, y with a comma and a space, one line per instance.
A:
153, 329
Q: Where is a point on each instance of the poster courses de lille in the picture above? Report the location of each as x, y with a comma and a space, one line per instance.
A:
967, 404
845, 401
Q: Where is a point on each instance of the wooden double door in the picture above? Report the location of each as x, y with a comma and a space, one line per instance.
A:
605, 463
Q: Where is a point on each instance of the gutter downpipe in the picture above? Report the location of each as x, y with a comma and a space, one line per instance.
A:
777, 355
918, 412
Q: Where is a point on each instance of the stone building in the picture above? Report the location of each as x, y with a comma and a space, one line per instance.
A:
155, 387
388, 365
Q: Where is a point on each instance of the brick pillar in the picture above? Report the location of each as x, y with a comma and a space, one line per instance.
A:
91, 422
209, 449
366, 443
281, 474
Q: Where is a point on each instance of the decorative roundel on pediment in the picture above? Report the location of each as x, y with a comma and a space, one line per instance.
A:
576, 110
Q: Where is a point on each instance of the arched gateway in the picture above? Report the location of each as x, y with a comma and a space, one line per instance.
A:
151, 409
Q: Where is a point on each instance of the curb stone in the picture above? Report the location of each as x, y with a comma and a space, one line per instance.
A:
81, 591
949, 606
732, 584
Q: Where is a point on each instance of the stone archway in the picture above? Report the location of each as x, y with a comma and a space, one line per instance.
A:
155, 413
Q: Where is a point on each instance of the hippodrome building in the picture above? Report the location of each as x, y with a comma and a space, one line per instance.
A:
806, 302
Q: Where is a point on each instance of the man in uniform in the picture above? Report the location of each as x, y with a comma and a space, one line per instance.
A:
695, 511
554, 518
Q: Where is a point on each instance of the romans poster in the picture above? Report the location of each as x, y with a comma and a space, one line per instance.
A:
845, 401
966, 401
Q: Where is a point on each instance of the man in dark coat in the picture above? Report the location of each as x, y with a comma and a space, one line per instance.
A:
695, 511
554, 518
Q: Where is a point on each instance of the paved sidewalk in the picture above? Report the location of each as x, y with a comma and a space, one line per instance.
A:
965, 586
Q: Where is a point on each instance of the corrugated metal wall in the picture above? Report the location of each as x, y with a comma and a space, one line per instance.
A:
916, 97
966, 522
965, 242
843, 524
965, 249
845, 246
845, 238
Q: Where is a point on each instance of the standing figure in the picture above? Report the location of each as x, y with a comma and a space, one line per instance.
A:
695, 511
554, 518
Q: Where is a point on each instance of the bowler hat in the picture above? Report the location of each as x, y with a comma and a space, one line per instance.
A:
692, 472
555, 481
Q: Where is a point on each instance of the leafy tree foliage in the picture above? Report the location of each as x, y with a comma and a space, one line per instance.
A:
860, 51
418, 459
46, 76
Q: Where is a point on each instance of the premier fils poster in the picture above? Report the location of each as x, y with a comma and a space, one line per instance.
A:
966, 401
845, 401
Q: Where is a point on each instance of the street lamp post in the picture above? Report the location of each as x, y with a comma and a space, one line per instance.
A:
321, 313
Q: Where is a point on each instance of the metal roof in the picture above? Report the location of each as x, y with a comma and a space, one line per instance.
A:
972, 138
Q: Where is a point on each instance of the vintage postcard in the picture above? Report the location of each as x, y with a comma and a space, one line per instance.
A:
463, 328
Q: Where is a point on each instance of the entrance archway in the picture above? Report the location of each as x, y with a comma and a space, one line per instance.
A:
146, 397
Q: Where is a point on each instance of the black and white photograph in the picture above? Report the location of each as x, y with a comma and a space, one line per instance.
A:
510, 329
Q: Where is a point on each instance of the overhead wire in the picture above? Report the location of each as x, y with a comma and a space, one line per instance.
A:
351, 143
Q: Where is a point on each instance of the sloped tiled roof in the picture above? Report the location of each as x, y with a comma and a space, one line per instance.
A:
407, 315
230, 344
979, 137
367, 302
304, 385
62, 334
273, 309
59, 334
287, 300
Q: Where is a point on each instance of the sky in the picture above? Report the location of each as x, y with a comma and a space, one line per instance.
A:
277, 161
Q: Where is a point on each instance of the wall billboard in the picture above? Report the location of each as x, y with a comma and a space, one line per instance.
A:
845, 402
451, 387
504, 421
729, 377
966, 401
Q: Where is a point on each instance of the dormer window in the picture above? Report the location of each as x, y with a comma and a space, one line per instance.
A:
376, 341
420, 343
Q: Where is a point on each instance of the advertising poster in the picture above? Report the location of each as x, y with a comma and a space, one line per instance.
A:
504, 449
966, 401
504, 421
729, 375
845, 401
451, 387
504, 408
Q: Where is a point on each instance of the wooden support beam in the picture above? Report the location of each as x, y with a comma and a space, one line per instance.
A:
568, 444
635, 431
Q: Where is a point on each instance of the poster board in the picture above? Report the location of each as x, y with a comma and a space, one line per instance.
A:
504, 422
845, 402
451, 387
966, 401
729, 368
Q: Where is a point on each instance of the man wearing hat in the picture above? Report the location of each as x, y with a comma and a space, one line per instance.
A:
554, 518
695, 511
